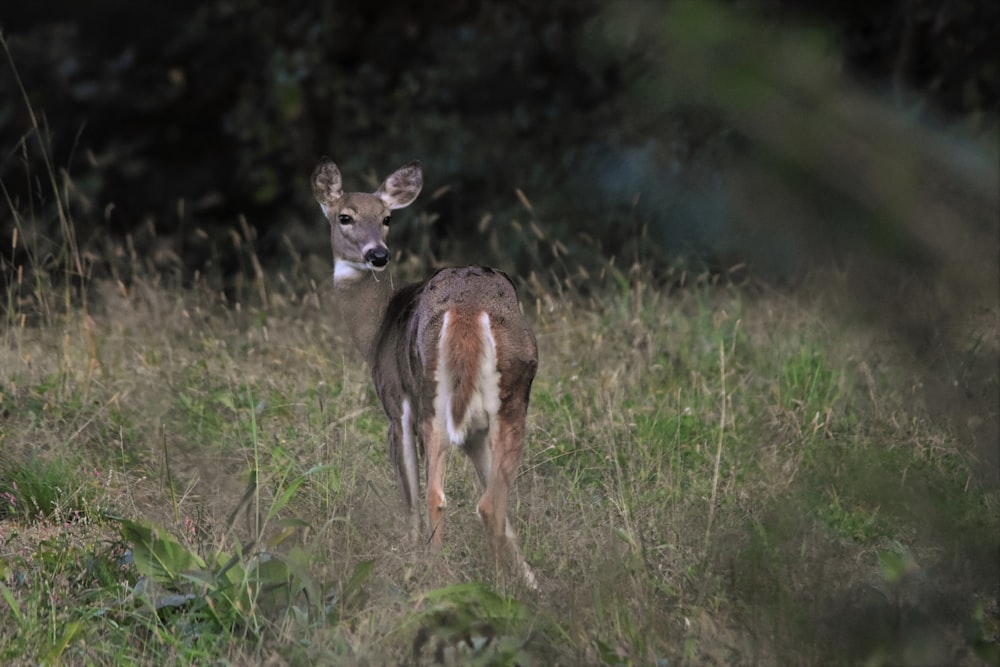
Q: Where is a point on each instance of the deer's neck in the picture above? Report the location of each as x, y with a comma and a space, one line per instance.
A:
362, 298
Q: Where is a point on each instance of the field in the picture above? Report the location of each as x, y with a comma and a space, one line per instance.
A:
717, 473
783, 450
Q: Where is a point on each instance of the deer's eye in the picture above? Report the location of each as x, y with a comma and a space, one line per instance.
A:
345, 219
386, 219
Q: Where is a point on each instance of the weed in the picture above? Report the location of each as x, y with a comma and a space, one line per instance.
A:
39, 490
472, 625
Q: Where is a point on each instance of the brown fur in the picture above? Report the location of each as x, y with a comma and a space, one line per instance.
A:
464, 340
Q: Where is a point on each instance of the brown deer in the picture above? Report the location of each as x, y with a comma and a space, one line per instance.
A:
452, 357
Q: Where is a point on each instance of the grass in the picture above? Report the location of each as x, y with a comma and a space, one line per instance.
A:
716, 474
190, 480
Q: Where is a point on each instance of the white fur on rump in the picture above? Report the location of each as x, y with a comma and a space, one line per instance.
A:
485, 400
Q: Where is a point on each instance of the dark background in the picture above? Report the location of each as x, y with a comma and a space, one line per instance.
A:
166, 122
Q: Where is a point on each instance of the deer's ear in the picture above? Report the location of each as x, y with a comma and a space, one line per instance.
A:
327, 185
402, 186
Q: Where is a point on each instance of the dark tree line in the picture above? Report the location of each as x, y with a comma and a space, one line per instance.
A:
170, 120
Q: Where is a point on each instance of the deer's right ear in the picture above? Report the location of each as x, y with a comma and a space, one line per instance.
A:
327, 184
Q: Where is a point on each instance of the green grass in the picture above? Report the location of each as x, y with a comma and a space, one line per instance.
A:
259, 515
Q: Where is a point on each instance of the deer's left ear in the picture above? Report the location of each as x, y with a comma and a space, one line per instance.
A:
402, 186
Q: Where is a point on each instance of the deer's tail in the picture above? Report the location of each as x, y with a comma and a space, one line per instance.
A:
468, 380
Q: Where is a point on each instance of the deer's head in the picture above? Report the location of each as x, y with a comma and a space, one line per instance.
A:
359, 221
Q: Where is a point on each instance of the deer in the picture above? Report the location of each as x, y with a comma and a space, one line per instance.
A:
452, 358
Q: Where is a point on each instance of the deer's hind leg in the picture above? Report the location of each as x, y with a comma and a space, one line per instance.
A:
496, 455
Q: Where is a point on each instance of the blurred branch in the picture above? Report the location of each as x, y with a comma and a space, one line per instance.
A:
781, 87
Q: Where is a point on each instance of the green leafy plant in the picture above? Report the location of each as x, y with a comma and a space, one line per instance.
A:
471, 624
227, 590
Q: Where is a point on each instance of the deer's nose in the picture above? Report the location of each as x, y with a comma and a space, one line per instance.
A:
377, 256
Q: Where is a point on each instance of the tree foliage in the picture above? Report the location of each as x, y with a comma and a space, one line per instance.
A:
169, 121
